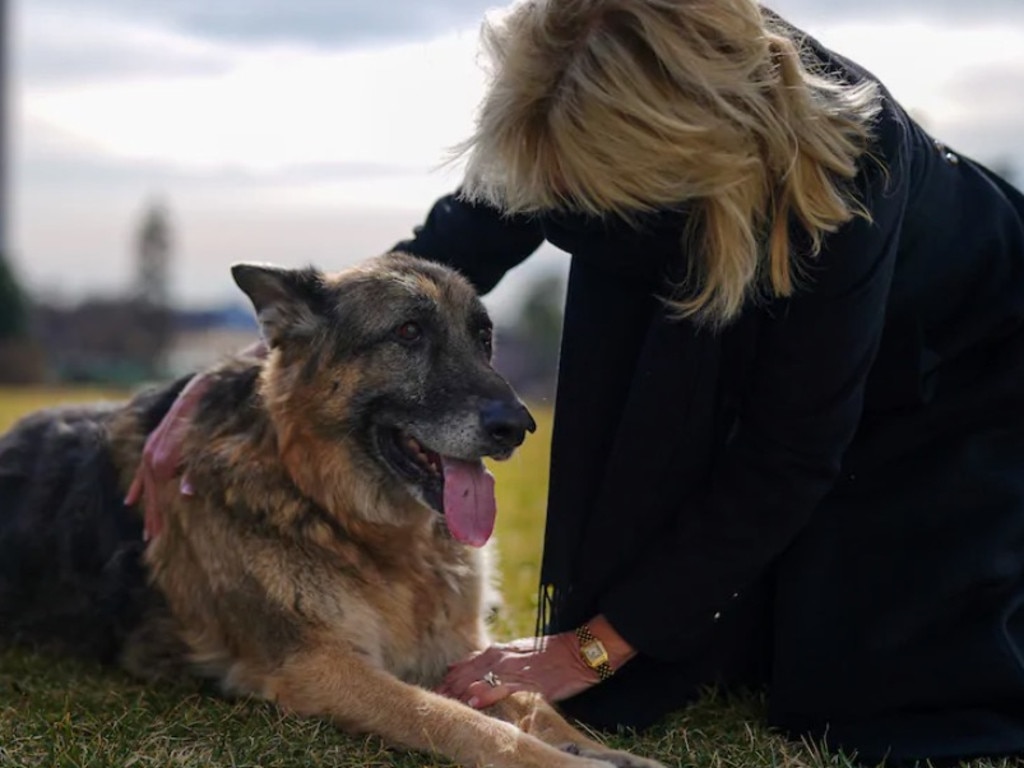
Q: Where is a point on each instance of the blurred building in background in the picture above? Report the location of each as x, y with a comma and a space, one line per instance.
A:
138, 335
202, 338
110, 340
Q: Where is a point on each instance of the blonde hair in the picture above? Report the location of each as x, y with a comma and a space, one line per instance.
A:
626, 106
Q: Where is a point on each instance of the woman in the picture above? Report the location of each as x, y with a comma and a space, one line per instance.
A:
788, 444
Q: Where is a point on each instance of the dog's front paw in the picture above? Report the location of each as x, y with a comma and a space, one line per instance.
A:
585, 761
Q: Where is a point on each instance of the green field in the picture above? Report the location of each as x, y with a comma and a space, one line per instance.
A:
56, 713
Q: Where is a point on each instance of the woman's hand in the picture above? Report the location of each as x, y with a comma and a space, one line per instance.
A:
551, 666
548, 665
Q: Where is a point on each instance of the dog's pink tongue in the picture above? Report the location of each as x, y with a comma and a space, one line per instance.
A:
469, 506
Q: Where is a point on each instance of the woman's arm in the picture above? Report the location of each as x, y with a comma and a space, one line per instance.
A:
477, 240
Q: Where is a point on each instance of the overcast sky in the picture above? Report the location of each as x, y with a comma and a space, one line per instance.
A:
311, 130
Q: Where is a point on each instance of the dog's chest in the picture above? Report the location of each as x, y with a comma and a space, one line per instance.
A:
416, 620
445, 622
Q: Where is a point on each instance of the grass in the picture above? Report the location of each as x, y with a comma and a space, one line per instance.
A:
58, 713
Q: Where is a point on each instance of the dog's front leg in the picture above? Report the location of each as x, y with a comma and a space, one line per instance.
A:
532, 714
337, 684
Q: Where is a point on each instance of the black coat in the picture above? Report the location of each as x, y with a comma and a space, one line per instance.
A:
827, 495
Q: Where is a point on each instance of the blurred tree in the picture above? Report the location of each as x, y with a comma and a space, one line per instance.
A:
540, 320
527, 350
13, 304
22, 359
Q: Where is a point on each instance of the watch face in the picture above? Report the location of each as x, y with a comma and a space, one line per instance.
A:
595, 653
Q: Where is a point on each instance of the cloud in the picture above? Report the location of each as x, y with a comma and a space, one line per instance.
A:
307, 130
82, 171
997, 93
322, 22
334, 24
61, 46
970, 100
54, 166
935, 11
81, 41
402, 105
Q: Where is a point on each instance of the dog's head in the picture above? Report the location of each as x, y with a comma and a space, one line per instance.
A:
386, 368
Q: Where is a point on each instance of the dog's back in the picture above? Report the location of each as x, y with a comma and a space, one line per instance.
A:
71, 575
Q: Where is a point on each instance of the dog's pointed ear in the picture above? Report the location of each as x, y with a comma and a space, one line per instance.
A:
289, 303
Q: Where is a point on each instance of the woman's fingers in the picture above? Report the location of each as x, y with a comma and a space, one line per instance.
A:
491, 676
462, 674
485, 693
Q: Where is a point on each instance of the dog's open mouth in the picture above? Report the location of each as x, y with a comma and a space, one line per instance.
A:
463, 491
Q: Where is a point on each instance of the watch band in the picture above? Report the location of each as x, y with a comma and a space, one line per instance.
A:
587, 639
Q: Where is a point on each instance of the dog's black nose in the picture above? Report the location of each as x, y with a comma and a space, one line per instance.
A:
506, 422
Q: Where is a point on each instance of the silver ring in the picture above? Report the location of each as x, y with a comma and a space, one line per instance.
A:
491, 679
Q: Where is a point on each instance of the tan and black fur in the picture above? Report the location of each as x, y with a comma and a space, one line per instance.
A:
312, 564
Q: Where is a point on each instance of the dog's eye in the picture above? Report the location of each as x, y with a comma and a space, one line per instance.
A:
409, 331
486, 339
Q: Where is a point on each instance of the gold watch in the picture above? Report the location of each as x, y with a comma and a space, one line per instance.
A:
593, 653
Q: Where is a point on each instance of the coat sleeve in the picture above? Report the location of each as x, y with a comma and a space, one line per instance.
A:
477, 240
799, 414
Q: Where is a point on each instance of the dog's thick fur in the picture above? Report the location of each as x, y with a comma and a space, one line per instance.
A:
311, 565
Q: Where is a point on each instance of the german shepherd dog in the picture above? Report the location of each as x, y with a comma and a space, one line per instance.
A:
329, 558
